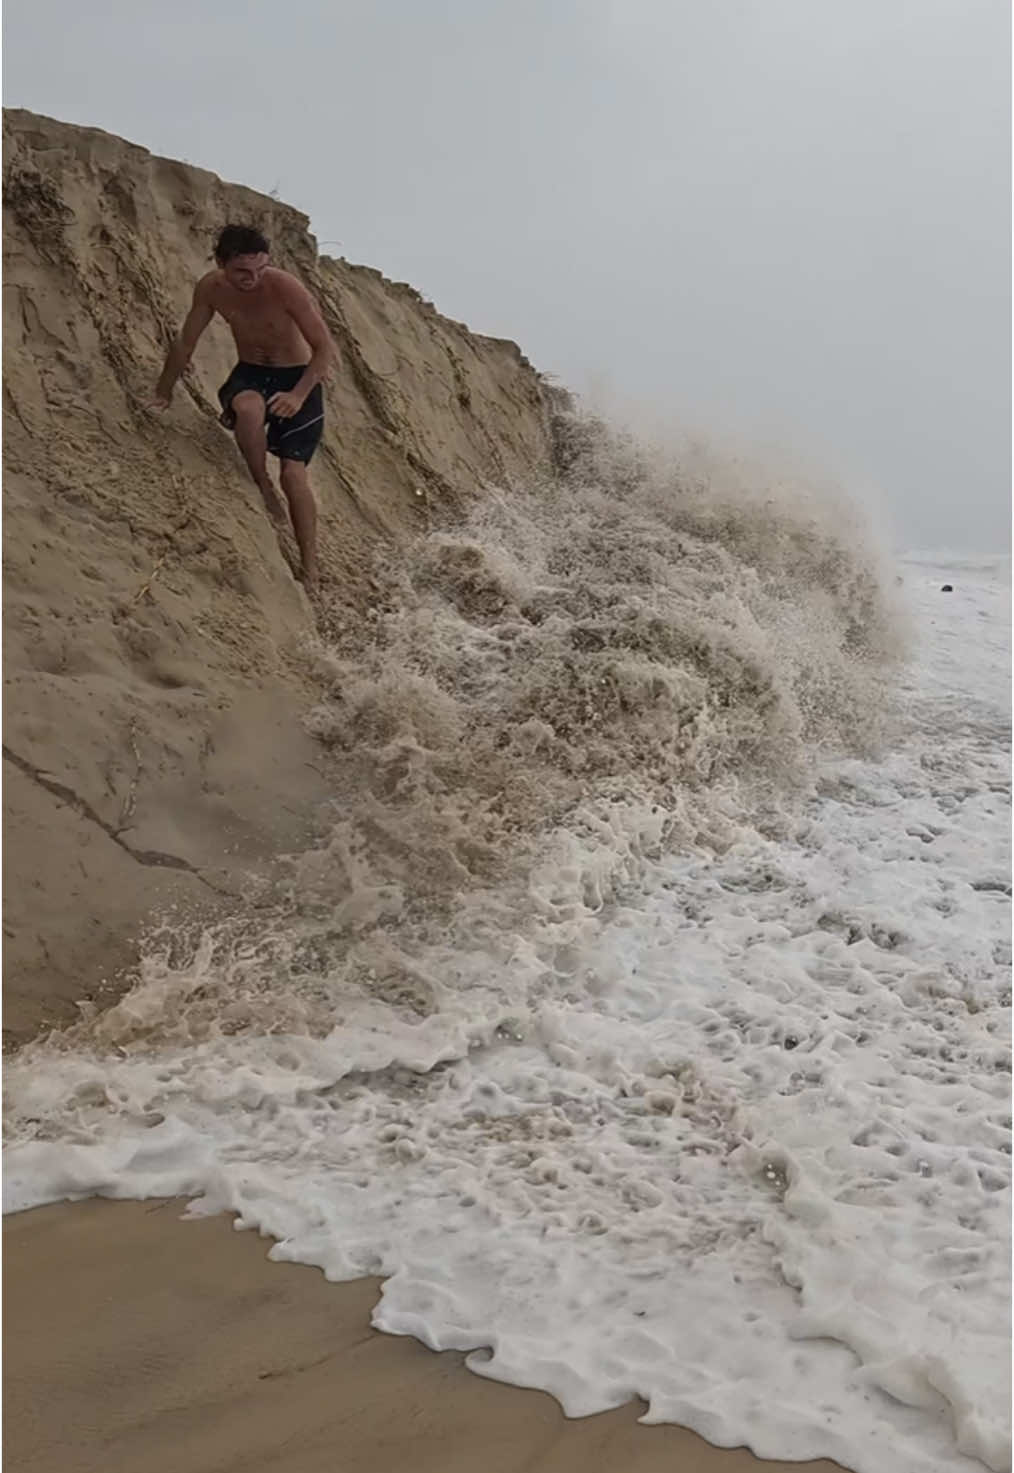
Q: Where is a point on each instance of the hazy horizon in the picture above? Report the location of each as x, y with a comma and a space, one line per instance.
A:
788, 223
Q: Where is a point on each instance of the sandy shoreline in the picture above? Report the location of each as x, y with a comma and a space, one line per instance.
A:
136, 1343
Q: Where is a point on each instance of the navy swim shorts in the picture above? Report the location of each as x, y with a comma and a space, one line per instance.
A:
290, 439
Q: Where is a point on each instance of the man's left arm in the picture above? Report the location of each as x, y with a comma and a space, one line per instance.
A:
306, 315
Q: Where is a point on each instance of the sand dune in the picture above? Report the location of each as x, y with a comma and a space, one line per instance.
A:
153, 629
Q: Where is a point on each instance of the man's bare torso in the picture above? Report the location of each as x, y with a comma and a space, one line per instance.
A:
261, 322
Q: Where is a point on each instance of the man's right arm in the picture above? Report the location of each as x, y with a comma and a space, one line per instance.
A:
200, 314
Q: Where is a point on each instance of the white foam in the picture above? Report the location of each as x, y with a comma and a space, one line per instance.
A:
726, 1131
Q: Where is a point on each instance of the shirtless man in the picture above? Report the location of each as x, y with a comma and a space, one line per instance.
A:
273, 398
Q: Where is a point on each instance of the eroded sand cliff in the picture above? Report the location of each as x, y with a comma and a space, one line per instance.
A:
155, 676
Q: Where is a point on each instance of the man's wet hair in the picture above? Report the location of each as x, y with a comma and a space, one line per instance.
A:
240, 240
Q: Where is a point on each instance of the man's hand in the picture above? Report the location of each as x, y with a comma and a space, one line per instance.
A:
159, 401
284, 406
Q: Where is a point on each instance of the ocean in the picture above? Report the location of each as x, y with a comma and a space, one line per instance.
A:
642, 1014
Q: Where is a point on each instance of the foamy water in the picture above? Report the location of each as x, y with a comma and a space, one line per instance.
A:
704, 1098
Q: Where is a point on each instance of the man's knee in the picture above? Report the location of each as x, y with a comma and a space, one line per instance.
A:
248, 406
293, 473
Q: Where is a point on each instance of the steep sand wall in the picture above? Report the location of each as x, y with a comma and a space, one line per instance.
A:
153, 744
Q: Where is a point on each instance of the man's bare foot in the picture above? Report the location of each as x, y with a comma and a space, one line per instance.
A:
310, 579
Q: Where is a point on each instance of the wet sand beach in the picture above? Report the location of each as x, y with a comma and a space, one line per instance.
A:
136, 1343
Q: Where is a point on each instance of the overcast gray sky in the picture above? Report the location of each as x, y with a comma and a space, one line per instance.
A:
785, 218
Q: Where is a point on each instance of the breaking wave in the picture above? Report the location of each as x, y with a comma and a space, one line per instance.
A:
636, 656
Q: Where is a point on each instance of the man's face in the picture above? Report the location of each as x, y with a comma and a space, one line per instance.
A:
245, 272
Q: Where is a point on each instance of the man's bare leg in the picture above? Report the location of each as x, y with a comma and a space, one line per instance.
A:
296, 485
251, 437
